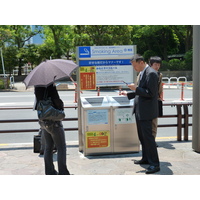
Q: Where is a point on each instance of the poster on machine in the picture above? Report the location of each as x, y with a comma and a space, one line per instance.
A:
124, 116
95, 117
97, 139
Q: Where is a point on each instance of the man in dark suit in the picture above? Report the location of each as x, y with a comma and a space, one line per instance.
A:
145, 109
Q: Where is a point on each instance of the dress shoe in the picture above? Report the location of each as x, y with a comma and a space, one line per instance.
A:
140, 162
41, 152
54, 150
157, 145
152, 169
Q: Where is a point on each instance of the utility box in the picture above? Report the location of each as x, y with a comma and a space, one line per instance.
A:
96, 133
125, 136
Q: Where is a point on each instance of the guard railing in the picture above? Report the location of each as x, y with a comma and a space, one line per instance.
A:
181, 107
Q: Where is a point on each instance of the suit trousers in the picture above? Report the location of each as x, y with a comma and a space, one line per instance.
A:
154, 126
54, 134
147, 140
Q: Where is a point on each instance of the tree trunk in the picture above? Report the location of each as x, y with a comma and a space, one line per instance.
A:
188, 40
20, 67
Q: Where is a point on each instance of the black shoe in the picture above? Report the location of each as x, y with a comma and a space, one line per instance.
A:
41, 152
152, 169
55, 150
67, 173
141, 162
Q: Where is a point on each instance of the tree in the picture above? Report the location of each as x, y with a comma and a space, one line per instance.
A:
45, 51
60, 38
22, 34
160, 39
184, 33
5, 36
30, 54
10, 58
61, 41
102, 35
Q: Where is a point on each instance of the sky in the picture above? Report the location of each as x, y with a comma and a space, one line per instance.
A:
104, 12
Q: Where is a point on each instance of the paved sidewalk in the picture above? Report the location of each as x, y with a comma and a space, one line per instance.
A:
176, 158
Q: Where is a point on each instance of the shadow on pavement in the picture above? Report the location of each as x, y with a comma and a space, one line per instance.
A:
169, 144
164, 169
15, 148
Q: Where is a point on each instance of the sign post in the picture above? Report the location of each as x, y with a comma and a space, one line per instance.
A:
102, 66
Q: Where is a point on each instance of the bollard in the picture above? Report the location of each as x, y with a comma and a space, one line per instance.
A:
120, 90
182, 91
75, 95
98, 91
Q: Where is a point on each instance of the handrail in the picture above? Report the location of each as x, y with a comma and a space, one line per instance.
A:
179, 116
31, 120
27, 108
185, 115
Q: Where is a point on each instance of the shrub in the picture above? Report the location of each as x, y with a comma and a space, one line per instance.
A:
188, 59
2, 84
164, 66
147, 54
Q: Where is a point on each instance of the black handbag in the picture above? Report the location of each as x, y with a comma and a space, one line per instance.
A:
46, 111
160, 108
36, 143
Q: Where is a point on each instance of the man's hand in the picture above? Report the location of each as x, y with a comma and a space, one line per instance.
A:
132, 86
124, 92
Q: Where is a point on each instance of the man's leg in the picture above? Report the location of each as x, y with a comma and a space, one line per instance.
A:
149, 144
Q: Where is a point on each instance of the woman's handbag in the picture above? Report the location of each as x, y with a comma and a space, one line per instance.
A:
46, 111
160, 108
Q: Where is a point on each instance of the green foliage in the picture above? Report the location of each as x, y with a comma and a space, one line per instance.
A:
188, 59
165, 66
29, 53
147, 54
10, 58
89, 35
60, 41
5, 34
160, 39
174, 64
2, 84
45, 51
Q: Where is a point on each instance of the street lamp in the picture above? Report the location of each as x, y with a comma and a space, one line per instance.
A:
4, 74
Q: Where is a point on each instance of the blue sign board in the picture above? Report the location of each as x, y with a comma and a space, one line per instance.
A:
109, 52
84, 52
112, 63
104, 62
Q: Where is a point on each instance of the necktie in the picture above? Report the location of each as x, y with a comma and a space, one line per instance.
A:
138, 79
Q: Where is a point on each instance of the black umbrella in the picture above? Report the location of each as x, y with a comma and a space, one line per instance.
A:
49, 71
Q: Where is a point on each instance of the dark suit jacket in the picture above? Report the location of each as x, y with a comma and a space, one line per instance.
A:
146, 96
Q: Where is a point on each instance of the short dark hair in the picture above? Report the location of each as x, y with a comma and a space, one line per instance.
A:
155, 59
137, 58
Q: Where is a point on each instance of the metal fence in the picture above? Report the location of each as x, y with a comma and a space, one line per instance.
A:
181, 108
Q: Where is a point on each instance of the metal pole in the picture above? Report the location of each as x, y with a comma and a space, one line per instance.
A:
179, 122
4, 74
80, 137
182, 92
196, 93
